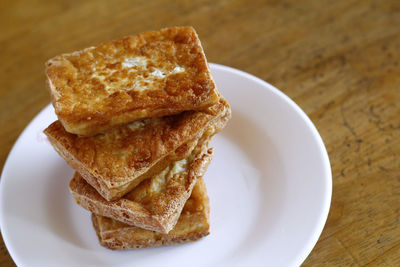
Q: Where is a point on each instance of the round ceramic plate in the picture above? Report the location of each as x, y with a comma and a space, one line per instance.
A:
269, 185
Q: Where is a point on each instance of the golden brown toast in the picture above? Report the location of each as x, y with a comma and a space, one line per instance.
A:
155, 204
193, 224
148, 75
115, 162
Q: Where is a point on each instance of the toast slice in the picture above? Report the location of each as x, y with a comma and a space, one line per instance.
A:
148, 75
155, 204
193, 224
115, 162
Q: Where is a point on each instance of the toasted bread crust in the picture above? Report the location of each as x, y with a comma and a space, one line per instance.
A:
148, 75
113, 163
154, 204
193, 224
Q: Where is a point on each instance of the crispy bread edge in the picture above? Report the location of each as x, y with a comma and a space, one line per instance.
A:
116, 244
108, 193
112, 193
94, 126
135, 214
112, 239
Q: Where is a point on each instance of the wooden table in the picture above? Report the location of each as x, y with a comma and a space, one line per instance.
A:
339, 60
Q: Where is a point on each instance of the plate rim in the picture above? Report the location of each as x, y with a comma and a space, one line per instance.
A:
325, 157
307, 248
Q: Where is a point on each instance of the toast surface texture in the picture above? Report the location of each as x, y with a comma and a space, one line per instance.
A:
193, 224
147, 75
155, 204
115, 162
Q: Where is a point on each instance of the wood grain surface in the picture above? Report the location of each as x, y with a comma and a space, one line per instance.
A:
339, 60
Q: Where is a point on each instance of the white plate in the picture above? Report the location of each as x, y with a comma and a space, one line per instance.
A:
269, 185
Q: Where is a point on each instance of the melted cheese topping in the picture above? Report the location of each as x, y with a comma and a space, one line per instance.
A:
159, 182
134, 61
136, 125
134, 73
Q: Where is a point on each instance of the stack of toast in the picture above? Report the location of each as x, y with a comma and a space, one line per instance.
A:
135, 118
